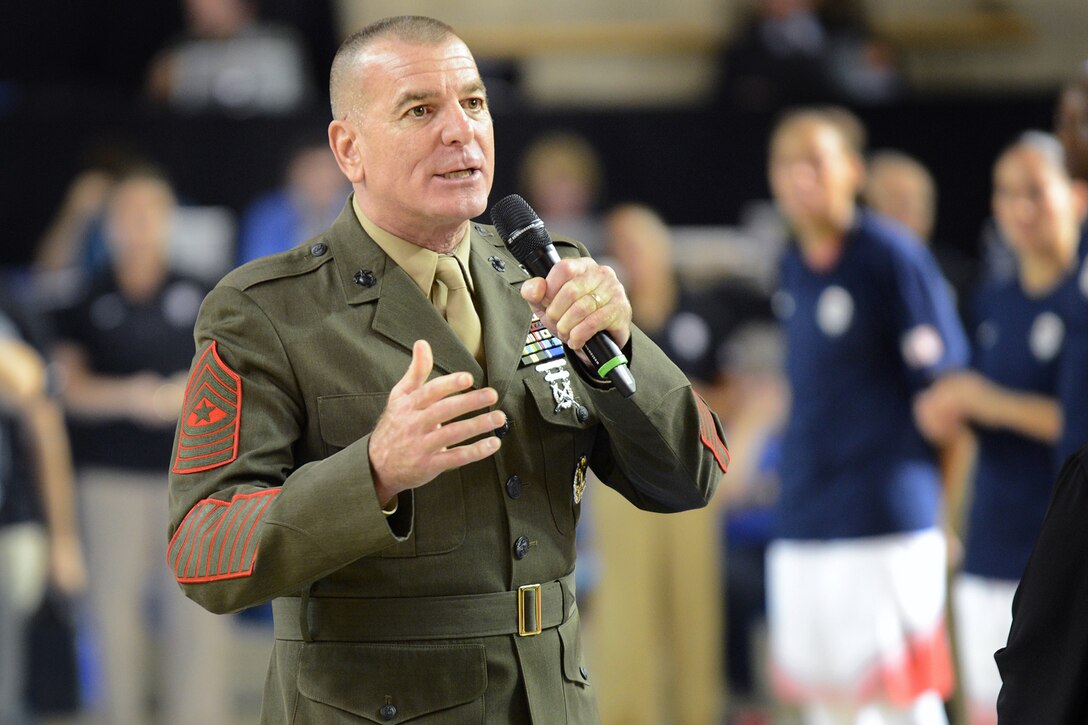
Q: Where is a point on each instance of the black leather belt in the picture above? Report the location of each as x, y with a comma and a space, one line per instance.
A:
525, 612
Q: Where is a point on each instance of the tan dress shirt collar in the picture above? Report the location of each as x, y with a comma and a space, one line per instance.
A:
418, 262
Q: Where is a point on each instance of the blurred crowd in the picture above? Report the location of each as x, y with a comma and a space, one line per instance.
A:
685, 620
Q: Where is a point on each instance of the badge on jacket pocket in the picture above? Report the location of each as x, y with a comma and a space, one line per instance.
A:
558, 377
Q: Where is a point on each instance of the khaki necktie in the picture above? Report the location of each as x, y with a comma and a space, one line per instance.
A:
454, 301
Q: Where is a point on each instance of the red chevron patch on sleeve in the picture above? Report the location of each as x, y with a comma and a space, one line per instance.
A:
709, 435
211, 416
216, 540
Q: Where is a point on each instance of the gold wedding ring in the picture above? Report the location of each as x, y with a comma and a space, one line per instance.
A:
597, 300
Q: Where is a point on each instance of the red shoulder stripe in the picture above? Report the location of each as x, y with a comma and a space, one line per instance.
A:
211, 417
710, 435
205, 547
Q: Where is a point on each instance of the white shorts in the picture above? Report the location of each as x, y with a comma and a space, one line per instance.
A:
859, 620
983, 610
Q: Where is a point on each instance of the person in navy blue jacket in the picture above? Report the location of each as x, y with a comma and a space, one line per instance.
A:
1043, 665
1009, 402
856, 574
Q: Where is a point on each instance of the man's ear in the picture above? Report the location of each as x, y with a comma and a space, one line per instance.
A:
345, 148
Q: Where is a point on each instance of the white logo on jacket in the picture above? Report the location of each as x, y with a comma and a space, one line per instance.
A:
1046, 336
834, 311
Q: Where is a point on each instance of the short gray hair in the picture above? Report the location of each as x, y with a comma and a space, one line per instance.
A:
417, 29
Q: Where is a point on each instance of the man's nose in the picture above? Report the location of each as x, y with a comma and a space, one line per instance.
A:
456, 126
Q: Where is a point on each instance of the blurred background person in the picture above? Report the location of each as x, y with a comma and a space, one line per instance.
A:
73, 238
124, 347
39, 537
856, 573
657, 641
561, 176
753, 358
230, 60
901, 188
655, 645
692, 325
807, 51
1008, 400
310, 197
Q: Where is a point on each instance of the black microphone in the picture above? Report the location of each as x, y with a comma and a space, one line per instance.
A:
527, 239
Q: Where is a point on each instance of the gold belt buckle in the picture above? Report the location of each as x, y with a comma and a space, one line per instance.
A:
534, 590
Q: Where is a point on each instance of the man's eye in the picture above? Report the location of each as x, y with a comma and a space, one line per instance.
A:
418, 112
474, 104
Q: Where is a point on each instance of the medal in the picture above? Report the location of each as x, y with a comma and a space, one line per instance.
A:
558, 377
540, 344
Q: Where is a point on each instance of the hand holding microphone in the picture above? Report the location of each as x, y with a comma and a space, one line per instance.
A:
580, 301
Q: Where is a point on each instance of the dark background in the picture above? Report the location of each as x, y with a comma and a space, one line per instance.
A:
71, 72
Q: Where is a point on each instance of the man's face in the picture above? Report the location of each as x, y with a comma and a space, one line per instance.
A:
899, 192
813, 175
424, 135
138, 218
1033, 202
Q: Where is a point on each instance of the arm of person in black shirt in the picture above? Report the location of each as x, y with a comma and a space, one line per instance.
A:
145, 397
1045, 663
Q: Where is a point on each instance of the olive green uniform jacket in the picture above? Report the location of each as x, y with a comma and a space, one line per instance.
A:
412, 617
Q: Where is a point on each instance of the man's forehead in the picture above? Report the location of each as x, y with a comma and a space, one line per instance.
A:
806, 134
409, 63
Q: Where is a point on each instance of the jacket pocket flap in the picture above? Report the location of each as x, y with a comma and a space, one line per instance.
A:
415, 679
560, 400
345, 419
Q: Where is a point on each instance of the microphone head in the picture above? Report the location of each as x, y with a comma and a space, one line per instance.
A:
519, 226
511, 213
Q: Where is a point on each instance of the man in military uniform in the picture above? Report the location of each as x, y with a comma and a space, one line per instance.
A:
403, 484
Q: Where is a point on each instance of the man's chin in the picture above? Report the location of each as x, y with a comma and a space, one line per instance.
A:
465, 207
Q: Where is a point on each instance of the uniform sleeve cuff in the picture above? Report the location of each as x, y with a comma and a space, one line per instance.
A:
588, 374
399, 517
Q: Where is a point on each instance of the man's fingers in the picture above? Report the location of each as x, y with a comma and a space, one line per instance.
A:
575, 291
533, 290
463, 455
584, 309
434, 391
453, 434
418, 370
455, 406
579, 333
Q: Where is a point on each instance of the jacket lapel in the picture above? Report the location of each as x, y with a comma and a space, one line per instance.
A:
402, 312
505, 316
404, 315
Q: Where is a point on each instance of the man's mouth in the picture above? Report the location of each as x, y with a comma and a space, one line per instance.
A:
459, 174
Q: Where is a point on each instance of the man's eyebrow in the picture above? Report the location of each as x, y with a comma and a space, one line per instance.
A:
413, 97
410, 98
475, 87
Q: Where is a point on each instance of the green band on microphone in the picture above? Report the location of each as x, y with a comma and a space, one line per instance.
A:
602, 371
